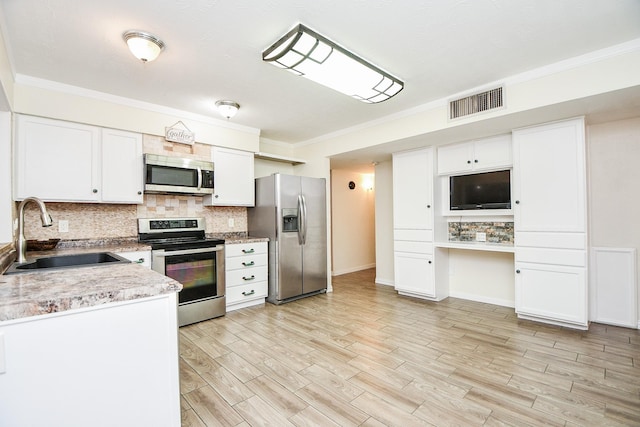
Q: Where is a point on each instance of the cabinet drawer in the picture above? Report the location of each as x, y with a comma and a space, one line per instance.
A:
247, 275
551, 240
413, 235
244, 262
414, 247
575, 258
246, 292
245, 249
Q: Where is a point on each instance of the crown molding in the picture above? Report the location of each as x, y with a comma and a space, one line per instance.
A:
128, 102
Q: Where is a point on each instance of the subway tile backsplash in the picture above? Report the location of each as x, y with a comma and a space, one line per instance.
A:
496, 232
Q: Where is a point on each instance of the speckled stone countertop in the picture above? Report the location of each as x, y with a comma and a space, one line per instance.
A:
31, 294
35, 293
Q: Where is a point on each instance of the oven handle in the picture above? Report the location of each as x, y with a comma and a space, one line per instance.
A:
199, 178
163, 253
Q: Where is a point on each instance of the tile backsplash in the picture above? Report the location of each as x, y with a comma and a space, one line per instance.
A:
97, 220
496, 232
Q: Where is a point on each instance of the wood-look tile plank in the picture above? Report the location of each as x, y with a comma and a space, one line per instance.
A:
332, 405
211, 408
364, 356
257, 412
386, 413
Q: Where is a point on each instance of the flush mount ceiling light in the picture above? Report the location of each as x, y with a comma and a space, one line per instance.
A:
144, 46
227, 108
307, 53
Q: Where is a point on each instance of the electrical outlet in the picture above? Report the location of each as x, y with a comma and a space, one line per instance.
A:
63, 226
232, 223
481, 237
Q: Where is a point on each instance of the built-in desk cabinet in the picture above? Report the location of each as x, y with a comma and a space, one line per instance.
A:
233, 178
550, 223
62, 161
246, 275
414, 257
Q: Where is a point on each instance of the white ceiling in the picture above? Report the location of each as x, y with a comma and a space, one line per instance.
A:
438, 47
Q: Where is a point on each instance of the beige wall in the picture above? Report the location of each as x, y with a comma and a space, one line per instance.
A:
353, 219
384, 223
614, 185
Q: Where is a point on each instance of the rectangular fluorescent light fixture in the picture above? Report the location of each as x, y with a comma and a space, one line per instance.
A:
306, 53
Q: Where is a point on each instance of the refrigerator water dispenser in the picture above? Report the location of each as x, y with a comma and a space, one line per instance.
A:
289, 220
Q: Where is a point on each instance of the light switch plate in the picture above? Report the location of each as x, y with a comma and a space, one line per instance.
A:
63, 226
481, 237
231, 222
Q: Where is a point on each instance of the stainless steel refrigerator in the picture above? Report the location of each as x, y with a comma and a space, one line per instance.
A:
291, 212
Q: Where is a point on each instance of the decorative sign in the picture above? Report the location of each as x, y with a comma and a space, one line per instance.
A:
182, 136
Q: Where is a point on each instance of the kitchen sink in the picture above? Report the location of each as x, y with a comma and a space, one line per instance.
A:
67, 261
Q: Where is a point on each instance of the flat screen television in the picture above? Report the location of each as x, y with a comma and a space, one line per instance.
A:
489, 190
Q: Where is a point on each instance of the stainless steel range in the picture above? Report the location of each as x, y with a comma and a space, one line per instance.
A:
180, 250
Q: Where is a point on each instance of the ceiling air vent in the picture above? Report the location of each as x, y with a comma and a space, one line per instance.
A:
476, 103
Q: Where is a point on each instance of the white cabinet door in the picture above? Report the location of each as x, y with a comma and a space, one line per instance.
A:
414, 274
122, 180
56, 160
549, 178
233, 178
142, 258
112, 365
556, 293
413, 189
455, 158
476, 156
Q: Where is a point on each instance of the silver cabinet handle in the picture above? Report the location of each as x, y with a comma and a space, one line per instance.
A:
248, 264
140, 261
246, 294
248, 251
248, 278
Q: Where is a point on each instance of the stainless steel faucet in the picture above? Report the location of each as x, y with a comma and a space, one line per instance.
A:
46, 219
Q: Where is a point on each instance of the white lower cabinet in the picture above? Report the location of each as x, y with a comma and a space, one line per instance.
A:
414, 274
246, 276
553, 292
139, 257
110, 365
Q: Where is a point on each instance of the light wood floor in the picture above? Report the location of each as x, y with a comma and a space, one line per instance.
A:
364, 356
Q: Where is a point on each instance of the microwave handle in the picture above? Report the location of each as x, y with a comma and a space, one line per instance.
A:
199, 178
164, 253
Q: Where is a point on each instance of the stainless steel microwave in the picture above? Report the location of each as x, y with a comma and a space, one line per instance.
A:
165, 174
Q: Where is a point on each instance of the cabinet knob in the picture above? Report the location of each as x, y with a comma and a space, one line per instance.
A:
468, 162
139, 193
428, 206
475, 161
94, 191
517, 202
518, 271
216, 196
429, 261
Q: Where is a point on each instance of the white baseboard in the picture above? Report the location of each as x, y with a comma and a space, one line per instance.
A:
385, 282
481, 298
352, 269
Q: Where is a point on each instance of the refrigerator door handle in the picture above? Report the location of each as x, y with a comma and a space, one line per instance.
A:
302, 220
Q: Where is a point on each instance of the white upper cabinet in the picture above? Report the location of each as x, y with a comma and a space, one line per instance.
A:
62, 161
56, 160
122, 167
413, 189
549, 180
233, 178
484, 154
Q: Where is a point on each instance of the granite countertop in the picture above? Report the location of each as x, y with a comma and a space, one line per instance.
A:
35, 293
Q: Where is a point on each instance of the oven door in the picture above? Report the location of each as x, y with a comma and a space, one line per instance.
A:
200, 270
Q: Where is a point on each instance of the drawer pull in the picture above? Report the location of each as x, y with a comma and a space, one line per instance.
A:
140, 261
248, 251
248, 264
248, 278
246, 294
